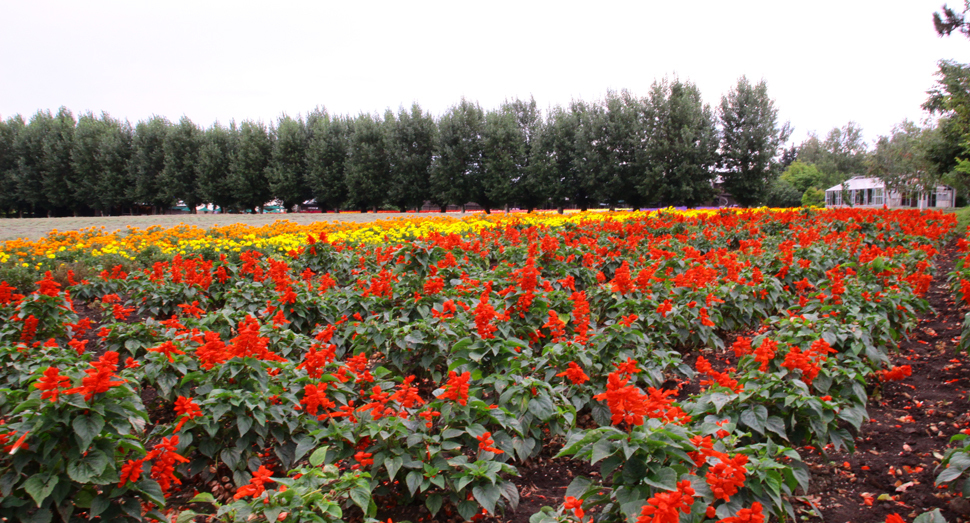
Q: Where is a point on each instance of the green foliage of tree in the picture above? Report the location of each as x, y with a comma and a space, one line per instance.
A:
100, 157
57, 173
368, 164
681, 146
179, 178
813, 197
561, 158
949, 20
531, 186
327, 153
456, 177
503, 155
215, 164
900, 160
750, 140
841, 155
247, 175
9, 196
802, 176
781, 193
29, 148
114, 155
288, 165
148, 162
411, 141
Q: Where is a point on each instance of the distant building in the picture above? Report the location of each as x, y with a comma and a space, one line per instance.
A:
871, 192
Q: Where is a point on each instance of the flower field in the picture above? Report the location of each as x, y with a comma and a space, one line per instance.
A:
333, 372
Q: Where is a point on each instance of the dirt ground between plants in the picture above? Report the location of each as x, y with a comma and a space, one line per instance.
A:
897, 451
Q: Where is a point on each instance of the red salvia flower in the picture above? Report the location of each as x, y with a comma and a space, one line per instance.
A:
754, 515
575, 505
98, 379
622, 284
485, 443
30, 329
187, 409
574, 373
52, 383
457, 388
665, 507
168, 349
256, 486
48, 287
557, 327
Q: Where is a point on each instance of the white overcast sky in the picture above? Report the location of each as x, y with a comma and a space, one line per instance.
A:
825, 62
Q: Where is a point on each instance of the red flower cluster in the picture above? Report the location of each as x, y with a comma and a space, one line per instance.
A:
574, 374
896, 373
256, 486
457, 387
52, 383
98, 379
485, 443
665, 507
557, 327
723, 379
187, 409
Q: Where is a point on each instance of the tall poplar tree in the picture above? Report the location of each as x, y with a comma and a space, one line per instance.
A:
680, 154
215, 158
288, 165
179, 178
412, 139
750, 140
456, 176
57, 173
327, 153
247, 177
147, 163
368, 164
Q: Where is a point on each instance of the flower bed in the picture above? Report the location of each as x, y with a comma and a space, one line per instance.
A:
312, 371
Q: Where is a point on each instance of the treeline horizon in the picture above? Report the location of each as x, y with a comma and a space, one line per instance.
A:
665, 148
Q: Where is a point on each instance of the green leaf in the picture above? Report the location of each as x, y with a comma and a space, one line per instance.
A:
542, 408
244, 423
467, 509
930, 517
86, 428
755, 417
393, 465
413, 481
578, 487
203, 497
666, 479
303, 445
433, 503
602, 449
188, 516
361, 496
39, 487
88, 467
318, 456
511, 493
231, 457
487, 495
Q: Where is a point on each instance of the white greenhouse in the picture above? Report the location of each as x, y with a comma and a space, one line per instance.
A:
870, 192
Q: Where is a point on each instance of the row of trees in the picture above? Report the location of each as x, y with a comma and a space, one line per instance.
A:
662, 149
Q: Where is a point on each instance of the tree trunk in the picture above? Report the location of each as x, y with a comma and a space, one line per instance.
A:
559, 210
444, 208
